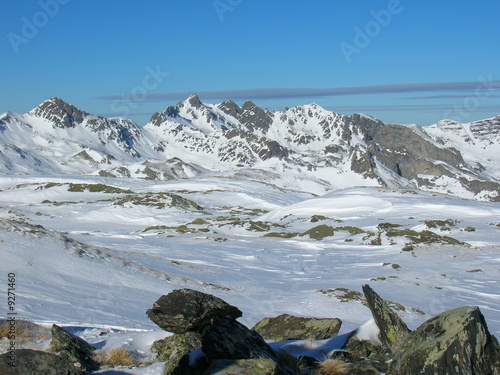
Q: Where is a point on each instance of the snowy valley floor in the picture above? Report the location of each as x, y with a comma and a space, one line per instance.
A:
95, 253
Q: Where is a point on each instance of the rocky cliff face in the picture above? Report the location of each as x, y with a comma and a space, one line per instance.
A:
305, 147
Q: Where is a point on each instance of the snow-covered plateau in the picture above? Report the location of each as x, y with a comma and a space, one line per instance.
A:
92, 253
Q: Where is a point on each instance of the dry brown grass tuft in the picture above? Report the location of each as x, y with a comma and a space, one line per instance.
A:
116, 357
332, 367
24, 331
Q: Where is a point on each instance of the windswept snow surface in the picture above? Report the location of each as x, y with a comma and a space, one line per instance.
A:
95, 253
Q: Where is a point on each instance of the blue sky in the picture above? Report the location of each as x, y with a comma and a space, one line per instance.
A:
403, 61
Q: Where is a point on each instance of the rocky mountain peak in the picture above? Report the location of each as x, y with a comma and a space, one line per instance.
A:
230, 108
250, 106
255, 117
194, 101
60, 113
488, 129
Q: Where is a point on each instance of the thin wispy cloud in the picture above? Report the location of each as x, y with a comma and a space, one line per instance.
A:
405, 108
463, 96
284, 93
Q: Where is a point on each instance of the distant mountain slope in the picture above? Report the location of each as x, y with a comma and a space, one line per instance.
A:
306, 147
57, 137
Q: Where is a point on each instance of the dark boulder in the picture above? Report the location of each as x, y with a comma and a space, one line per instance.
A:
186, 310
288, 327
229, 339
34, 362
73, 348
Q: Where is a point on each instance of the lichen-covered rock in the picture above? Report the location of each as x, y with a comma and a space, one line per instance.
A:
288, 327
34, 362
367, 357
242, 367
366, 349
456, 342
73, 348
393, 330
173, 349
186, 310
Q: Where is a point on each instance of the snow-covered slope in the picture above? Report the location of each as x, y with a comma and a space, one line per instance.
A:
93, 253
58, 138
478, 142
306, 148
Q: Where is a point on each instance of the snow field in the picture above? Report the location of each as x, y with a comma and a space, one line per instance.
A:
94, 266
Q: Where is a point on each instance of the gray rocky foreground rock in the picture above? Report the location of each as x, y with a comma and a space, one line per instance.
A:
186, 310
393, 330
455, 342
174, 350
288, 327
229, 339
34, 362
73, 348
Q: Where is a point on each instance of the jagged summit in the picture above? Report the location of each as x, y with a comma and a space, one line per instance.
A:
60, 113
194, 101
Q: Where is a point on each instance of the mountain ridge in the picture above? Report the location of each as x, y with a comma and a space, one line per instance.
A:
304, 148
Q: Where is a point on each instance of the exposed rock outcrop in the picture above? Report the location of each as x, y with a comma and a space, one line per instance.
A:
34, 362
229, 339
366, 357
288, 327
186, 310
455, 342
175, 349
73, 348
393, 330
190, 313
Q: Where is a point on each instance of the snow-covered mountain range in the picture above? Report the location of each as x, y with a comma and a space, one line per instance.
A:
306, 148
